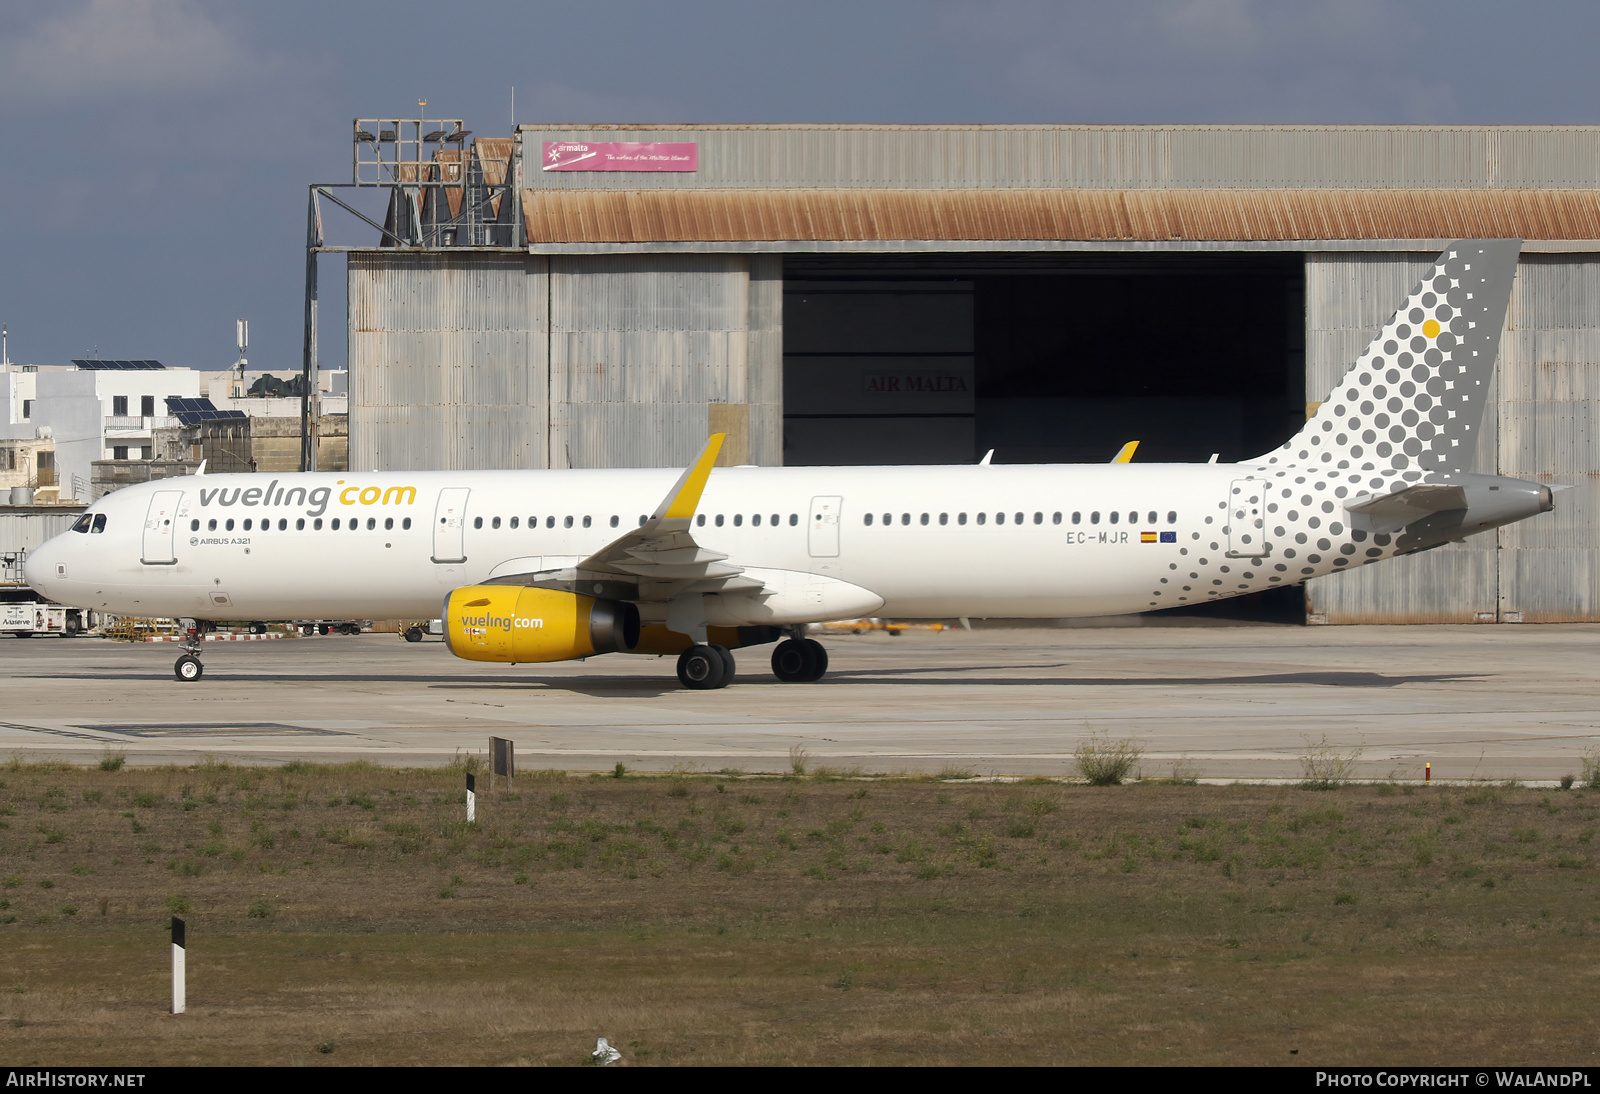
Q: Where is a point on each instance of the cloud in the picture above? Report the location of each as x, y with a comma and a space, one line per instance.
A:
1202, 60
113, 48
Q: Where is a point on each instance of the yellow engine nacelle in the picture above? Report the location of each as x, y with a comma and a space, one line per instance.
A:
518, 625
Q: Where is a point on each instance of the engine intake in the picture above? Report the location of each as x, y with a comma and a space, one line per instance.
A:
517, 625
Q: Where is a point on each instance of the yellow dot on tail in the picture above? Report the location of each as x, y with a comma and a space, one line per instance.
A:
1431, 328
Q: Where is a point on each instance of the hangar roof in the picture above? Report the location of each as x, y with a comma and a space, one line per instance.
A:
635, 216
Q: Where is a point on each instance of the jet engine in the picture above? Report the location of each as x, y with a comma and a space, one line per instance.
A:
519, 625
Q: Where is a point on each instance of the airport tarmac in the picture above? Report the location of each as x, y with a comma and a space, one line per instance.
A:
1486, 702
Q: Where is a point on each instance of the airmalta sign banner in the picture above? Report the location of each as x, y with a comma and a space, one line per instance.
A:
620, 156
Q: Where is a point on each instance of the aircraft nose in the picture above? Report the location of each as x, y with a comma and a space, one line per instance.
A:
38, 569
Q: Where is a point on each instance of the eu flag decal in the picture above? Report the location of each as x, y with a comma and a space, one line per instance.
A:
1169, 537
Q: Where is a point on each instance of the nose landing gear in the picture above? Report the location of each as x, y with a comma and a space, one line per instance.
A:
188, 667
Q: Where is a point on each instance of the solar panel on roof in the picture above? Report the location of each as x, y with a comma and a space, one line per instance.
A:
105, 364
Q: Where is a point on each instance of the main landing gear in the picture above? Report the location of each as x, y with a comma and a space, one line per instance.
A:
705, 668
799, 661
188, 667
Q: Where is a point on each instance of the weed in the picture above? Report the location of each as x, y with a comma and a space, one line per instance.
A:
112, 760
678, 788
260, 909
951, 771
178, 904
1591, 768
1324, 766
798, 758
93, 795
620, 770
1105, 761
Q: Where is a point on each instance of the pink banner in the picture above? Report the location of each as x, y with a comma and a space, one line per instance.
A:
620, 156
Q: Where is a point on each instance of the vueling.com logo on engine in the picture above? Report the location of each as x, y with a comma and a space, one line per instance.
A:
483, 624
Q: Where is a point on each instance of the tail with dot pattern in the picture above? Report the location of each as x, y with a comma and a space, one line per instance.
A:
1414, 401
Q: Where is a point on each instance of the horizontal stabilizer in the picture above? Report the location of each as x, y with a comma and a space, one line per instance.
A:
1392, 512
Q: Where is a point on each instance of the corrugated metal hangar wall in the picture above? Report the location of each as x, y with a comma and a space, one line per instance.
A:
917, 294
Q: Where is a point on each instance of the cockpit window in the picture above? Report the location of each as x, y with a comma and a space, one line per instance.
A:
99, 523
82, 523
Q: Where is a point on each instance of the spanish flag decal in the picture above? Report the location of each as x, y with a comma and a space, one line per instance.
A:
1147, 537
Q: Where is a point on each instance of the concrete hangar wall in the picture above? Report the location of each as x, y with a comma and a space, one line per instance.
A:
916, 294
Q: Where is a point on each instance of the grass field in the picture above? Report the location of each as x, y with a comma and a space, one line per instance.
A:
349, 915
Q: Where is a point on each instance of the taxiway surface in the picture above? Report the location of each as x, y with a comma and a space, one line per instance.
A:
1494, 702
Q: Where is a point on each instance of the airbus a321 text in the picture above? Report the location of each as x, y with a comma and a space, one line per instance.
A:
538, 566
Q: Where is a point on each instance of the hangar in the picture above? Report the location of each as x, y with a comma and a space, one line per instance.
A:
605, 295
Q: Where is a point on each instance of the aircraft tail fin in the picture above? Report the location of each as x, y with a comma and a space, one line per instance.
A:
1414, 400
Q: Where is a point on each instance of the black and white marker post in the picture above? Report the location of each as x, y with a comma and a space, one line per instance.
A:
178, 972
472, 798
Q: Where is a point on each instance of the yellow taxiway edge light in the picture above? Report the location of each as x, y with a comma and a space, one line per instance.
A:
1126, 455
686, 496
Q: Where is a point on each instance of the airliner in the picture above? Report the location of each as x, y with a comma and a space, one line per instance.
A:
543, 566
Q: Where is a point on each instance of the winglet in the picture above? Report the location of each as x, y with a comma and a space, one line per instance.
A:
1126, 455
681, 503
987, 456
201, 470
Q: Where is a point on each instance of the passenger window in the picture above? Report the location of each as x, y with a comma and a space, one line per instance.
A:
1038, 518
229, 525
905, 519
390, 524
566, 522
1019, 518
738, 520
755, 521
372, 522
82, 523
888, 518
1056, 519
1115, 516
1152, 519
867, 520
405, 525
300, 524
999, 518
700, 520
354, 524
550, 522
1077, 518
982, 517
1133, 518
246, 524
642, 519
283, 524
211, 525
615, 520
1172, 518
194, 526
944, 518
99, 522
495, 523
334, 524
477, 522
1094, 517
961, 518
719, 520
774, 520
586, 522
924, 520
794, 518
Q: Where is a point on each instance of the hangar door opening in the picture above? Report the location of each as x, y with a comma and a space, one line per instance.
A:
1045, 358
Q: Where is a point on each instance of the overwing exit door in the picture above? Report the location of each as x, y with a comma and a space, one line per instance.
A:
160, 525
449, 525
822, 538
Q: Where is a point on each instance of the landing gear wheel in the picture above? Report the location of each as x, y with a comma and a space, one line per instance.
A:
728, 666
258, 628
819, 659
705, 668
308, 630
323, 628
799, 661
188, 668
351, 629
413, 634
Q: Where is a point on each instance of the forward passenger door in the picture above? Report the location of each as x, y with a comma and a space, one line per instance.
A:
449, 525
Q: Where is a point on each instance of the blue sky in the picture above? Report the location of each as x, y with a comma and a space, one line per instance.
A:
157, 152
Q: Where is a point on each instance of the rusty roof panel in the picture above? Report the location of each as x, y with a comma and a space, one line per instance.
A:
845, 215
494, 157
447, 165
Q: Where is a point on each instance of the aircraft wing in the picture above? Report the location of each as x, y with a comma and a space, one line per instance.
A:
1391, 512
657, 560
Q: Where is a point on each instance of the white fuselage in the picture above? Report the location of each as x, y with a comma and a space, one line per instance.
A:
1023, 541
